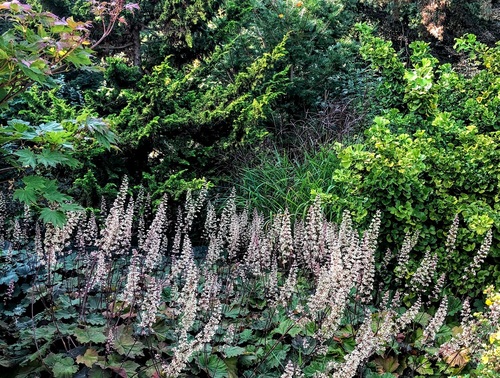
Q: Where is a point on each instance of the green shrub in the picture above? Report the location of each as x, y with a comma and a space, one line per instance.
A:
432, 153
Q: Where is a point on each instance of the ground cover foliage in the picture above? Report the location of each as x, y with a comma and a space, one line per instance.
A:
121, 293
336, 132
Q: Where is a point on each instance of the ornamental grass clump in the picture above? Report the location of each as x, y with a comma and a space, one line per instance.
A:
125, 293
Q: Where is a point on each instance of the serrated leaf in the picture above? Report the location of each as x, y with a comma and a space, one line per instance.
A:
50, 127
64, 369
89, 358
454, 305
6, 278
386, 365
230, 311
277, 355
245, 335
35, 182
66, 313
95, 319
423, 318
51, 158
56, 217
213, 365
55, 195
125, 344
124, 369
46, 332
313, 368
26, 157
27, 195
287, 326
233, 351
39, 78
91, 335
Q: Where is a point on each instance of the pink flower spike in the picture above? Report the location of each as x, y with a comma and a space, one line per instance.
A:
132, 6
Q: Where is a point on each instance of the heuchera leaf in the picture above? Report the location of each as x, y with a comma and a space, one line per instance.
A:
215, 367
123, 368
233, 351
277, 355
91, 335
125, 344
89, 358
62, 366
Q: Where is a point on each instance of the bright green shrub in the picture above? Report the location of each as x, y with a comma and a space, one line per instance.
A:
35, 46
422, 180
432, 155
180, 124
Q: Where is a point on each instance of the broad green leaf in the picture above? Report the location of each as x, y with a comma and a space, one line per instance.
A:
26, 157
97, 372
125, 344
123, 368
51, 193
42, 351
233, 351
277, 354
56, 217
66, 313
287, 326
8, 277
248, 359
35, 182
213, 365
95, 319
388, 365
90, 357
454, 305
51, 158
27, 195
64, 368
230, 311
19, 125
46, 332
50, 127
246, 335
313, 368
91, 335
37, 77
